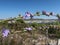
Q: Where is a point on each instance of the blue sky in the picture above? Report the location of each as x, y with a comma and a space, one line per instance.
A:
11, 8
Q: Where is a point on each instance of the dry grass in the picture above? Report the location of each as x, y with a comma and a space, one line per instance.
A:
23, 38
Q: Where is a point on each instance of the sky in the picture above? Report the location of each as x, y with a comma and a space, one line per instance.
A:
12, 8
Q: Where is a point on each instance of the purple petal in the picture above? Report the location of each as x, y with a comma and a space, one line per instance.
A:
5, 33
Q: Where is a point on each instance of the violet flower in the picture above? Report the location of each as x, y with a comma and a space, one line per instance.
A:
29, 28
5, 32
